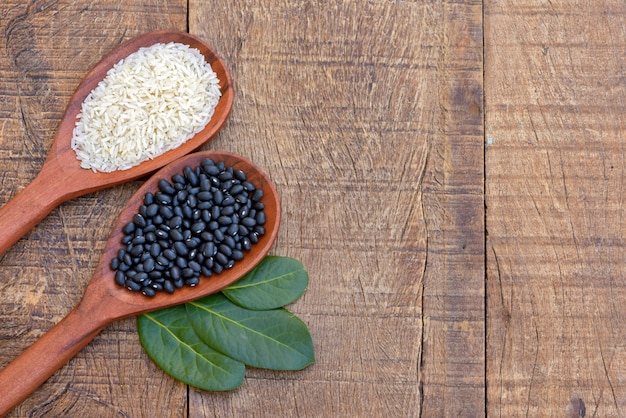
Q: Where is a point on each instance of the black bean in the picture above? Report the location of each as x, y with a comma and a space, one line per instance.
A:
148, 291
225, 175
228, 200
227, 185
131, 285
166, 212
228, 210
194, 266
137, 250
241, 198
240, 175
237, 255
198, 227
248, 222
260, 218
181, 262
218, 197
224, 220
230, 241
205, 183
225, 249
205, 205
257, 195
211, 170
168, 286
120, 277
180, 248
166, 187
139, 220
115, 263
175, 273
233, 229
169, 254
148, 199
221, 259
218, 235
191, 176
162, 198
129, 228
206, 216
177, 178
176, 235
248, 187
215, 182
140, 277
152, 210
193, 281
236, 189
187, 212
206, 272
155, 250
243, 212
162, 260
139, 240
148, 265
205, 196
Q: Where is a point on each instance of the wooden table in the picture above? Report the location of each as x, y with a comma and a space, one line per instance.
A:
452, 176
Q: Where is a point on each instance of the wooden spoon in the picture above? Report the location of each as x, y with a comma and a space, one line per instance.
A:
104, 301
61, 178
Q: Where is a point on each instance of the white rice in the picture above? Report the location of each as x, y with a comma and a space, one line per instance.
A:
152, 101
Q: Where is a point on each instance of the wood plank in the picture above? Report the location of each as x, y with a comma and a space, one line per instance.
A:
47, 48
555, 197
368, 116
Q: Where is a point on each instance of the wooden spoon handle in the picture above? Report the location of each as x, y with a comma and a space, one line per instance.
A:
48, 354
30, 206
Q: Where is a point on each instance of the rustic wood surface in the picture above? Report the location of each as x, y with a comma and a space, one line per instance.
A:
464, 248
554, 93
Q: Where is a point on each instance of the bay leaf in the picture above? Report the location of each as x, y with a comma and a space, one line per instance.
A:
170, 341
275, 282
270, 339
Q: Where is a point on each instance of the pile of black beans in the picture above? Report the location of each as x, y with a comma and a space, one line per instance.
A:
198, 224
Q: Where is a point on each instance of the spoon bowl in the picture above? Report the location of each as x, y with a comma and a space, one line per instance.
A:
104, 301
61, 177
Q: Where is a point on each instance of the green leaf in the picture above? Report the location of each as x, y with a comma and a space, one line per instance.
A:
169, 340
274, 283
274, 339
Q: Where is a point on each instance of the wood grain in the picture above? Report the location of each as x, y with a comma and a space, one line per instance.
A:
368, 117
555, 197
